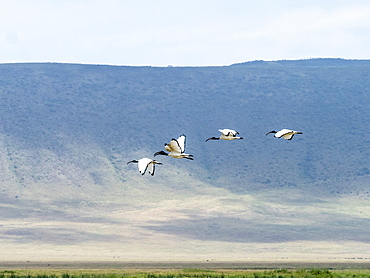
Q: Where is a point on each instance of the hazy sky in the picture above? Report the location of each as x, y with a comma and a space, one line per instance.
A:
182, 33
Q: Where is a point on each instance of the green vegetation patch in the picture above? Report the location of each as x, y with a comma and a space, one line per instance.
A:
197, 273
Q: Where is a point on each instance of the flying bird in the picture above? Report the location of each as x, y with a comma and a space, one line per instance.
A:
226, 134
144, 164
176, 148
287, 134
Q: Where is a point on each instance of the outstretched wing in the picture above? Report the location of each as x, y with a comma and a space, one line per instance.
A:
228, 132
151, 168
283, 133
167, 147
174, 146
288, 136
182, 142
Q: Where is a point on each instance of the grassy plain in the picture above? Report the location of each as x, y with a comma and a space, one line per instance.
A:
185, 273
183, 270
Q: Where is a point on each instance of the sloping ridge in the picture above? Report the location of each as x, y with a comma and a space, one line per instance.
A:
67, 132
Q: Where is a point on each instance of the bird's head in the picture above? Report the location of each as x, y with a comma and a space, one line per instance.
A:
273, 131
212, 138
160, 153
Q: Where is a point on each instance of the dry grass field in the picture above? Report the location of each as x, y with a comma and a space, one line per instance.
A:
107, 266
183, 269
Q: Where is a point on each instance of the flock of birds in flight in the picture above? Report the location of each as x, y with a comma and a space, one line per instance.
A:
176, 147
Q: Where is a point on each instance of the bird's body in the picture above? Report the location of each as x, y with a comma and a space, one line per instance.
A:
146, 164
287, 134
176, 148
226, 134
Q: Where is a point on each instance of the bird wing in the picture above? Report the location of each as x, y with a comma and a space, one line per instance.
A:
182, 142
288, 136
284, 132
228, 132
151, 168
175, 145
143, 165
167, 147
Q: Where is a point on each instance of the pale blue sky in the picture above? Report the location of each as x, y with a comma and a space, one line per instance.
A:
182, 33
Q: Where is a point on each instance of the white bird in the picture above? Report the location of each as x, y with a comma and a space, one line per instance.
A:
226, 134
176, 148
144, 164
287, 134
